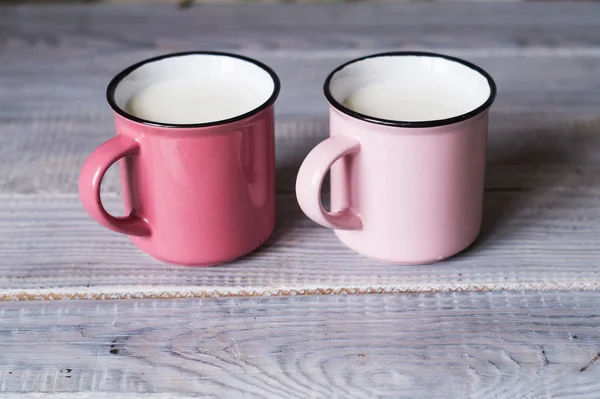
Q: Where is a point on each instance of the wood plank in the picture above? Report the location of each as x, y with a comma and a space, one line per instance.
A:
50, 129
57, 60
309, 26
67, 89
533, 239
524, 150
484, 345
542, 175
69, 86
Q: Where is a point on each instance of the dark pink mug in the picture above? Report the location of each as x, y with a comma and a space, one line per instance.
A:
195, 194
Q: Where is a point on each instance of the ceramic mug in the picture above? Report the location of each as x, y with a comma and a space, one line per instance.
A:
194, 194
403, 191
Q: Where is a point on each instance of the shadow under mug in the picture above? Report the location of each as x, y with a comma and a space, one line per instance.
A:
195, 194
406, 192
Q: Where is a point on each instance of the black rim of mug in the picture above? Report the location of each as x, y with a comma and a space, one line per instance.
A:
415, 124
114, 83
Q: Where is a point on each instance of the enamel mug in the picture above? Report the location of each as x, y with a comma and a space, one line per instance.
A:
406, 189
194, 194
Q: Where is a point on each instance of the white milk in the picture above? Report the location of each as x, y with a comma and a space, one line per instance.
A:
190, 101
408, 101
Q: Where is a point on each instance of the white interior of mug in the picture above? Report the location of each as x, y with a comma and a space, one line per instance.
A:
245, 86
410, 87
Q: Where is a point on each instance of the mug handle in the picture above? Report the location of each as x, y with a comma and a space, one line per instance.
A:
310, 179
90, 180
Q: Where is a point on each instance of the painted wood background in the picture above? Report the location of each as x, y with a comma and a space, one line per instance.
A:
477, 345
515, 316
542, 205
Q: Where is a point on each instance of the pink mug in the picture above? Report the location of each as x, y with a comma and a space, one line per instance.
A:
195, 194
407, 177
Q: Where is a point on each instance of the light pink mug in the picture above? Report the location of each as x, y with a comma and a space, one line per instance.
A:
195, 194
410, 190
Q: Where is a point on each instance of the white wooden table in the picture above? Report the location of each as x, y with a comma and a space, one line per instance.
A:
85, 314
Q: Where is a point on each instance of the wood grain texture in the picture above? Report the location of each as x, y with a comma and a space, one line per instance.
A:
541, 218
543, 238
56, 62
525, 149
541, 228
49, 129
311, 27
479, 345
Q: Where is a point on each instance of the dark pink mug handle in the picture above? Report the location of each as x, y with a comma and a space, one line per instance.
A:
90, 180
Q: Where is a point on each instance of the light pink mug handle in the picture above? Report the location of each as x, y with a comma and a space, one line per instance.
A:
310, 179
90, 180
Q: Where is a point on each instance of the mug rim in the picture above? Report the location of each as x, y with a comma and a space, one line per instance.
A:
115, 81
411, 124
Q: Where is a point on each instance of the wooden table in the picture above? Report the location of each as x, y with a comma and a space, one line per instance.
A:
85, 314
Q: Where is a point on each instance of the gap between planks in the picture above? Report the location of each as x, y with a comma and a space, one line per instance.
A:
165, 292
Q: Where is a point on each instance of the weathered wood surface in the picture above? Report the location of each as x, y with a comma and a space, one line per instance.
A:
43, 154
478, 345
534, 239
308, 27
541, 232
542, 201
56, 62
